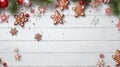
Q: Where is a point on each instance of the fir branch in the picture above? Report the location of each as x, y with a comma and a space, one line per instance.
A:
13, 6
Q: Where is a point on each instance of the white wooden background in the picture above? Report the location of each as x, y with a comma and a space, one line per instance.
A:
76, 43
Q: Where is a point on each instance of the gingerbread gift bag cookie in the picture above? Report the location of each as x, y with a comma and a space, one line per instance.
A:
116, 57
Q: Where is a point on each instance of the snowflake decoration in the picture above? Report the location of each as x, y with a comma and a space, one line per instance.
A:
94, 20
18, 57
4, 18
100, 63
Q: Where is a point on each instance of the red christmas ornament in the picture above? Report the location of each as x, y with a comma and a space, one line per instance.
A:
19, 2
3, 3
27, 15
101, 56
82, 2
4, 64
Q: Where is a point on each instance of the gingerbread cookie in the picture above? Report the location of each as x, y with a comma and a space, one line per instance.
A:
78, 9
38, 37
100, 63
94, 3
57, 17
62, 4
17, 57
13, 31
20, 19
42, 10
116, 57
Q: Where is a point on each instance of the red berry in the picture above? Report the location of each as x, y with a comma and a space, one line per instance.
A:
4, 64
101, 56
82, 2
27, 15
108, 66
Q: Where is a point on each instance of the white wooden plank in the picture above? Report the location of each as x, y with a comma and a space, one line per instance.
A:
69, 21
38, 59
63, 34
63, 46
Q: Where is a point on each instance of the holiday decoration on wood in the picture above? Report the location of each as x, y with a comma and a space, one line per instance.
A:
57, 17
78, 9
100, 63
27, 3
38, 37
17, 55
42, 10
94, 3
3, 63
62, 4
4, 18
13, 31
116, 57
108, 11
20, 19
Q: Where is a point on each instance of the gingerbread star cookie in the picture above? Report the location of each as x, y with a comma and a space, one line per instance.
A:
62, 4
57, 17
20, 19
38, 37
78, 10
13, 31
116, 57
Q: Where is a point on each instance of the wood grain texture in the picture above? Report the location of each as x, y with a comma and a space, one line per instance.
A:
77, 43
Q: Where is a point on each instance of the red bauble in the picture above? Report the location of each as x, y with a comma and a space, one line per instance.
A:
19, 2
4, 64
27, 15
3, 3
82, 2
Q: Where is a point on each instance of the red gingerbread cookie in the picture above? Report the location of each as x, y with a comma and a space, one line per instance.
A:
116, 57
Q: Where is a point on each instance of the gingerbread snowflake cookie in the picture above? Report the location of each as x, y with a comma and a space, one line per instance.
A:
20, 19
116, 57
57, 17
78, 10
13, 31
100, 63
62, 4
